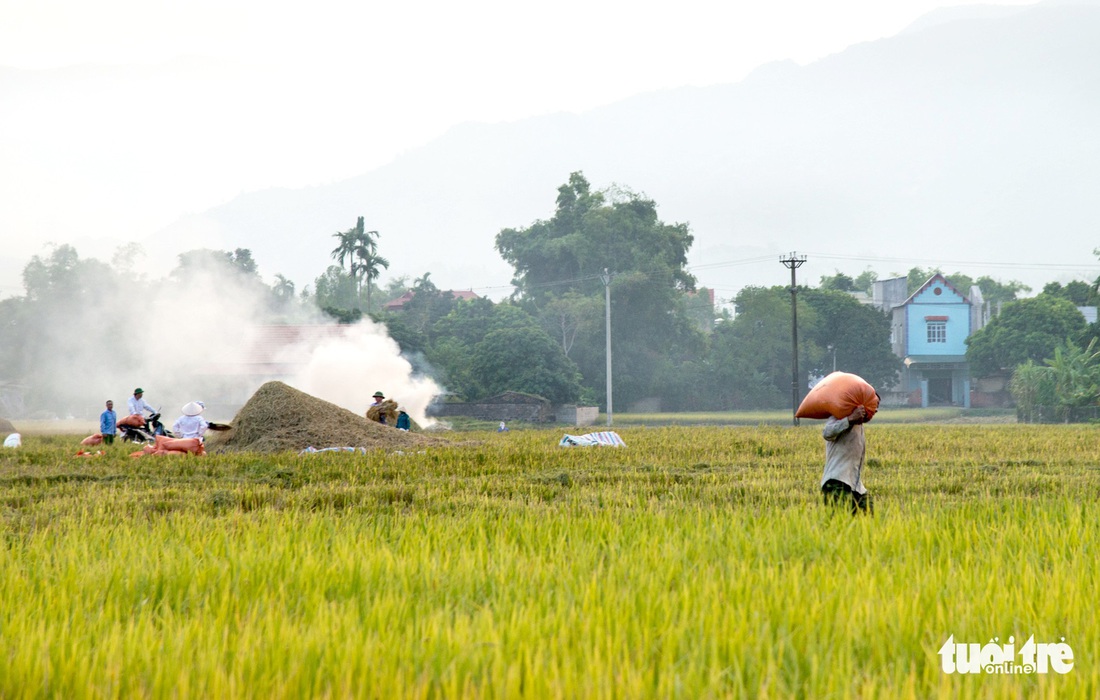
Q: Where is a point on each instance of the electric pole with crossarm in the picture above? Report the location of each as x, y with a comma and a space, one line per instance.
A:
794, 261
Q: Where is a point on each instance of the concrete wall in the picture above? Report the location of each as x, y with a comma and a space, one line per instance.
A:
532, 413
577, 415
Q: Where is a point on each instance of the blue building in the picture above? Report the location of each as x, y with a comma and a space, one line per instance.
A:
928, 330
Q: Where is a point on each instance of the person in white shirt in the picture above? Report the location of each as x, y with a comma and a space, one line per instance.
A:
191, 424
842, 482
137, 405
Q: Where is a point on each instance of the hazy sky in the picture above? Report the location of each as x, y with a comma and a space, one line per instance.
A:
181, 106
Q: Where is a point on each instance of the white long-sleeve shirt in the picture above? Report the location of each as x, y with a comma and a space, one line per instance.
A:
190, 426
844, 451
136, 405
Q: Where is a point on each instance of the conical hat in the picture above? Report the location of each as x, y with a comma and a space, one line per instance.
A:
193, 409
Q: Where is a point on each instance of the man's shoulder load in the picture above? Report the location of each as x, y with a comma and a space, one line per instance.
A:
837, 395
385, 412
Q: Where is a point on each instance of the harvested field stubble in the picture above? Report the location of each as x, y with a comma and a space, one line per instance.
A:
279, 418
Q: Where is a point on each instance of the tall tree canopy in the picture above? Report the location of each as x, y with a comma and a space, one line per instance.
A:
561, 260
587, 234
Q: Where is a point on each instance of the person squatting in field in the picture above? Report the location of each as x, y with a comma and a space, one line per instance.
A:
842, 482
191, 424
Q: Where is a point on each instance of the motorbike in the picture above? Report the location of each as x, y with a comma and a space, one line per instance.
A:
146, 434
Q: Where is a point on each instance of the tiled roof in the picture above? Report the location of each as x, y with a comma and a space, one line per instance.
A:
399, 303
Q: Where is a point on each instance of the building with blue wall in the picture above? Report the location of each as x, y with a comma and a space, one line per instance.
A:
928, 331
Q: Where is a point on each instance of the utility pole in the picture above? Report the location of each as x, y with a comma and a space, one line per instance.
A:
793, 262
606, 277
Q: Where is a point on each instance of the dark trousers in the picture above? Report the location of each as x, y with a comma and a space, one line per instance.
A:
108, 438
839, 494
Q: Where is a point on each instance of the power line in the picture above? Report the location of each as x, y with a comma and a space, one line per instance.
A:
982, 263
1091, 268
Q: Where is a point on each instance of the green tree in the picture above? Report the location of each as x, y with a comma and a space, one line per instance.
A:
335, 290
358, 248
457, 336
839, 282
1078, 292
365, 263
856, 336
1076, 374
564, 316
865, 281
1033, 389
749, 366
345, 251
68, 309
525, 360
370, 266
1028, 329
995, 291
427, 305
283, 289
617, 231
237, 264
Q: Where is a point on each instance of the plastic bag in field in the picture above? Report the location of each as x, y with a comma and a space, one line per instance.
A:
837, 395
13, 440
606, 437
310, 449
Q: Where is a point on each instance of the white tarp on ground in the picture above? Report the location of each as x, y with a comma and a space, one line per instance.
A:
606, 437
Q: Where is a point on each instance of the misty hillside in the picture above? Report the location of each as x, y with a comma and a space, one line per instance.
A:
976, 139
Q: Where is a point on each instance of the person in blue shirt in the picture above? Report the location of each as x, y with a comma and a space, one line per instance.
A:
403, 422
108, 423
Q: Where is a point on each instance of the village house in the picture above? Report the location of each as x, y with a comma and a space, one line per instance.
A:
928, 331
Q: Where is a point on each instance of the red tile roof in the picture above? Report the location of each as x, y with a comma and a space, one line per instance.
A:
399, 303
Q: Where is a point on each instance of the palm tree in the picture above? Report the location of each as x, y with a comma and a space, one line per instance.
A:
345, 249
283, 288
370, 266
359, 248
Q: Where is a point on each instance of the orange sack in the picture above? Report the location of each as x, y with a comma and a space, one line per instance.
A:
92, 439
837, 395
133, 420
192, 445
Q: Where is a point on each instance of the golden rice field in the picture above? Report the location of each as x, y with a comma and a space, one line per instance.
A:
694, 563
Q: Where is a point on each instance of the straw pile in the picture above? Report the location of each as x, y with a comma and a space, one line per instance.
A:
279, 418
6, 427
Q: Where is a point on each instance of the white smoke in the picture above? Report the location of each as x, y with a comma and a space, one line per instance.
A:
347, 369
202, 333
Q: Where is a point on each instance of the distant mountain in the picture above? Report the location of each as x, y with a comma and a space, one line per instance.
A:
968, 140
